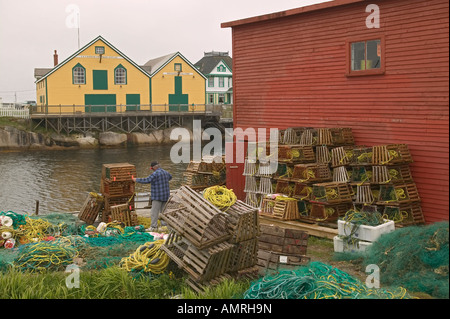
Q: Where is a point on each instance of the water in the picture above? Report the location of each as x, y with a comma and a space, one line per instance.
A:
61, 180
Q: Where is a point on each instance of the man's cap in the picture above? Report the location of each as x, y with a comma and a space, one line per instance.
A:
154, 164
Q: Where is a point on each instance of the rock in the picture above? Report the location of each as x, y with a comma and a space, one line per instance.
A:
143, 139
112, 139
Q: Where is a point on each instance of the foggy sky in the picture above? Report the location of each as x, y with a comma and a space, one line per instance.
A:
30, 31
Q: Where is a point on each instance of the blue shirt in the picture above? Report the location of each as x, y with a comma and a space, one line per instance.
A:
159, 182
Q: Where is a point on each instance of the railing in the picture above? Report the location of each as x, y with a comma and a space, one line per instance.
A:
142, 109
8, 112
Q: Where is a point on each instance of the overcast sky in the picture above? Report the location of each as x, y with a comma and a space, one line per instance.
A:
31, 30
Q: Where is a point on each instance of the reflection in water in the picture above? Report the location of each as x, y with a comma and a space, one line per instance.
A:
61, 180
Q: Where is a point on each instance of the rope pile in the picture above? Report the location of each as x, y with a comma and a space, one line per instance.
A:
147, 258
220, 196
317, 281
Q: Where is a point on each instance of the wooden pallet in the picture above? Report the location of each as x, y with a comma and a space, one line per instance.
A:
197, 219
311, 173
243, 222
123, 214
331, 193
118, 172
283, 240
91, 208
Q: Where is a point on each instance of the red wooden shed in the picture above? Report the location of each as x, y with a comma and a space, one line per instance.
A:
380, 67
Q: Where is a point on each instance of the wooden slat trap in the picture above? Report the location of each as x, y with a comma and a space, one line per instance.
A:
91, 208
195, 218
123, 214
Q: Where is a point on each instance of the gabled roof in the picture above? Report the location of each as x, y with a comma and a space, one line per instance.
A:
153, 66
207, 64
40, 71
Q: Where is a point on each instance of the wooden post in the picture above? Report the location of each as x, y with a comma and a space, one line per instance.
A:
36, 212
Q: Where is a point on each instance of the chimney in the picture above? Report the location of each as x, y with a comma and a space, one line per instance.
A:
55, 59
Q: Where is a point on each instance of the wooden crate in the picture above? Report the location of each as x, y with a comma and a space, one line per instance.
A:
123, 214
391, 154
243, 222
118, 172
243, 255
311, 173
91, 208
331, 193
283, 240
201, 264
296, 154
271, 262
196, 218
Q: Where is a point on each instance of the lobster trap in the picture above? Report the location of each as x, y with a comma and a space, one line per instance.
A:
118, 172
195, 218
302, 191
361, 156
331, 193
243, 255
311, 173
398, 193
296, 154
243, 222
326, 212
285, 187
91, 208
405, 214
392, 154
361, 174
283, 208
201, 264
123, 214
399, 174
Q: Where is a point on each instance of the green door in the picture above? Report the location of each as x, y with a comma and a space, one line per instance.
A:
178, 98
100, 102
100, 79
133, 102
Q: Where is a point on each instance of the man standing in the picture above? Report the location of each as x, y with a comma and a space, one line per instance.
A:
159, 191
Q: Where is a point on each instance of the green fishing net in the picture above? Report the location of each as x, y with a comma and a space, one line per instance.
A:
57, 240
416, 257
317, 281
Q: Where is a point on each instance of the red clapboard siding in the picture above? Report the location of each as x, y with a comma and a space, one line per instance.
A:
289, 69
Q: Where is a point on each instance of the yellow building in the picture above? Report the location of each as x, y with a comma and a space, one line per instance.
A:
99, 78
176, 84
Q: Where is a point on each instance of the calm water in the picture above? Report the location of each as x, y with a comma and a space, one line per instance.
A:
61, 180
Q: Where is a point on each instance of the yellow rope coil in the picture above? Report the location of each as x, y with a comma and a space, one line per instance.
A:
220, 196
148, 258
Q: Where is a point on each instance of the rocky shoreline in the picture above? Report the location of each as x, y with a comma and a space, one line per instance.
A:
12, 138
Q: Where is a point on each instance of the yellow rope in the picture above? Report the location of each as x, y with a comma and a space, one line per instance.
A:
148, 258
220, 196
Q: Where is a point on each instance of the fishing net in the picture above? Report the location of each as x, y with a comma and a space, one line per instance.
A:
317, 281
54, 241
417, 257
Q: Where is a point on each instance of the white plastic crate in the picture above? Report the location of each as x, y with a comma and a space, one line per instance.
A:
364, 232
341, 246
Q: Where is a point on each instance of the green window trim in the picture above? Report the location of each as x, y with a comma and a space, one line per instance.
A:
211, 82
178, 67
120, 68
99, 50
79, 78
221, 68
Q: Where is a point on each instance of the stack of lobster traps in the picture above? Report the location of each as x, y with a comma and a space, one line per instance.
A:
208, 243
116, 198
210, 171
327, 174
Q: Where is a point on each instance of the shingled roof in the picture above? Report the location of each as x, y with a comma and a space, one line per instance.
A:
210, 61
